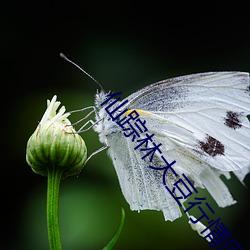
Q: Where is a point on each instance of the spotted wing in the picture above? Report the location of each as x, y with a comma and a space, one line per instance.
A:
210, 109
200, 121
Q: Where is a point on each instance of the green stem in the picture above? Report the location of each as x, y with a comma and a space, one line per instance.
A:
54, 177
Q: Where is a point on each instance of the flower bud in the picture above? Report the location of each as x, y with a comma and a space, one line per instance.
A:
55, 144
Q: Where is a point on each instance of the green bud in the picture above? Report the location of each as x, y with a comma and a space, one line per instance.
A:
55, 144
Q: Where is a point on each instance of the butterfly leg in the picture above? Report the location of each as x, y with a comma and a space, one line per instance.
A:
94, 153
85, 124
81, 129
86, 116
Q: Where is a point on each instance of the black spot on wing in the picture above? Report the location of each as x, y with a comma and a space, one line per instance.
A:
233, 119
212, 146
248, 89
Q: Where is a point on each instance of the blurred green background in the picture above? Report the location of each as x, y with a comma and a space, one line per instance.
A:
125, 47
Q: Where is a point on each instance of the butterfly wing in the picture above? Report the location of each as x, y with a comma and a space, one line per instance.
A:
177, 144
211, 108
200, 120
141, 186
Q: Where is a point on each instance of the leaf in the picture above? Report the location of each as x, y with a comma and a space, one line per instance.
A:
110, 245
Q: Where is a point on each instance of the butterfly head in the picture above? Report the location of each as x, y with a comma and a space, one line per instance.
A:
104, 126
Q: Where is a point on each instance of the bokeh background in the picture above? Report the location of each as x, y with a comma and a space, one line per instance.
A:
125, 45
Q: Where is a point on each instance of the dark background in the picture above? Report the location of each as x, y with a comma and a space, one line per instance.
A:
125, 45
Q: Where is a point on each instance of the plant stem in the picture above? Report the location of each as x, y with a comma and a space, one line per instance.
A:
54, 177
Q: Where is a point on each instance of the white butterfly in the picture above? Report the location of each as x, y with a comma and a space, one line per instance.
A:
201, 122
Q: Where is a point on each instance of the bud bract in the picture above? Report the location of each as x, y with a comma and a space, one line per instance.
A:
55, 143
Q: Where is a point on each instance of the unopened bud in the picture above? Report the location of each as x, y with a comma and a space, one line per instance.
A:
55, 143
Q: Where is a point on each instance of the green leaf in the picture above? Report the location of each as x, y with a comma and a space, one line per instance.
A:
117, 234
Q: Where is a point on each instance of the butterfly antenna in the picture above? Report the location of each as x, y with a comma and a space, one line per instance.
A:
86, 73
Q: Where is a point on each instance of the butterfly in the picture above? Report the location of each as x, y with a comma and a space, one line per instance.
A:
200, 122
